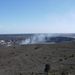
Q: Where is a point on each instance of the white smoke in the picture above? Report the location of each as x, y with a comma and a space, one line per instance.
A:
41, 39
36, 39
27, 41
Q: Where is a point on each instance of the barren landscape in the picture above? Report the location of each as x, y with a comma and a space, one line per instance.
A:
31, 59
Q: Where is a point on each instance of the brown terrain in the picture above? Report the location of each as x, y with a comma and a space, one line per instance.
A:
31, 59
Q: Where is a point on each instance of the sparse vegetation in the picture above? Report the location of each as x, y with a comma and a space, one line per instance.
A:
36, 47
71, 67
60, 59
63, 73
65, 58
27, 59
45, 57
26, 55
71, 56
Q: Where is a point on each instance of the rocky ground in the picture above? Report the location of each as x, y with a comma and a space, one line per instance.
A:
31, 59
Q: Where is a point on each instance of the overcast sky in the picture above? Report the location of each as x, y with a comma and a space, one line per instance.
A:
37, 16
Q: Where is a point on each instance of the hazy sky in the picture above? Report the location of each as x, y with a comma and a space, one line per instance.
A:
37, 16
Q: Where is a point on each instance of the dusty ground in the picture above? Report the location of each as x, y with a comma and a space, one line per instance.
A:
23, 60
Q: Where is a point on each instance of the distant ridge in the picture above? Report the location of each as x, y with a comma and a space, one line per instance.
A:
20, 39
